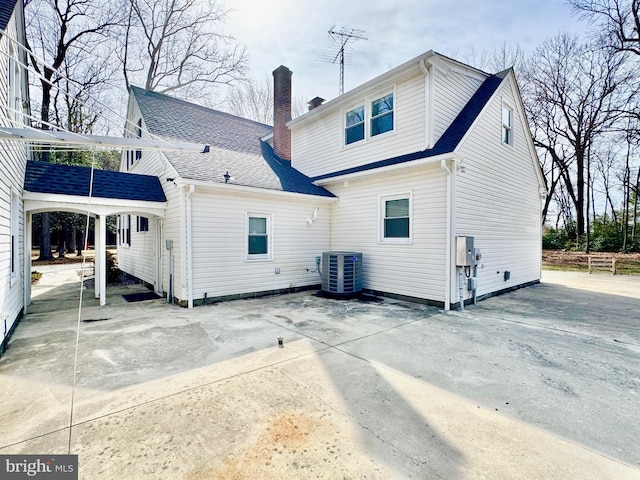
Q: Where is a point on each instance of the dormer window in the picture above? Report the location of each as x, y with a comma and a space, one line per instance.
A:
354, 125
507, 125
382, 115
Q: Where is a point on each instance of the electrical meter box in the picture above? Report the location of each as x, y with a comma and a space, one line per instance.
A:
465, 253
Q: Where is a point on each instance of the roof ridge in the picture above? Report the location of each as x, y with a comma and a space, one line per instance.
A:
196, 105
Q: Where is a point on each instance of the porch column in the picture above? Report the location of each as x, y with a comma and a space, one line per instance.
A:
28, 228
101, 252
96, 260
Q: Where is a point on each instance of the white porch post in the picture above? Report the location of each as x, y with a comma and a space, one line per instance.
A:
159, 250
28, 228
102, 255
96, 260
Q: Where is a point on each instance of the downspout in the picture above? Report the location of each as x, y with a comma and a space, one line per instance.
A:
447, 272
428, 105
189, 249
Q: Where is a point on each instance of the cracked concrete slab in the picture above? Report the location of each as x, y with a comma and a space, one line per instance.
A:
513, 387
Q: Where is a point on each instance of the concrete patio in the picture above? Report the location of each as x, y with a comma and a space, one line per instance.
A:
540, 383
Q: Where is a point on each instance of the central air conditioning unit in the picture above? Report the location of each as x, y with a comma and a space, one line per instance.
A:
342, 273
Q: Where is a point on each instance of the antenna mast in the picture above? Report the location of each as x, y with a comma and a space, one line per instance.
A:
341, 50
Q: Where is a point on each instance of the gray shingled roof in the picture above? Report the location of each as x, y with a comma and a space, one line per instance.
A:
235, 145
43, 177
6, 9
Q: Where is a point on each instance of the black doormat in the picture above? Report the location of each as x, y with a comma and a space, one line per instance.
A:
139, 297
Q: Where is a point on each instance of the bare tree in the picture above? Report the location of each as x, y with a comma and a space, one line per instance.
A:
56, 31
573, 94
172, 46
619, 20
254, 100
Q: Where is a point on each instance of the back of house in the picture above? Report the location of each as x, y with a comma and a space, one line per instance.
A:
13, 159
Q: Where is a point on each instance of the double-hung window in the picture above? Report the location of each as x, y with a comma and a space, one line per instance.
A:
258, 237
382, 115
374, 116
395, 218
354, 125
507, 125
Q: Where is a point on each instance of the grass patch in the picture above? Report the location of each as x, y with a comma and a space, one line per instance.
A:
35, 277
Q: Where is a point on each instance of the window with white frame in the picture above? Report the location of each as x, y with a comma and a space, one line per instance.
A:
373, 117
258, 237
142, 224
395, 218
15, 205
382, 115
124, 230
507, 125
354, 125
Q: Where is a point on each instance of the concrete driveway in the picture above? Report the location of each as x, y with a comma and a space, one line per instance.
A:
539, 383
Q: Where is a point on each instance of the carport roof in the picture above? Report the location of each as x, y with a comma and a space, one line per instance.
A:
43, 177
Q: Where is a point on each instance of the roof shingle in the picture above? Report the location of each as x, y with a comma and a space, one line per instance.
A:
6, 10
235, 145
43, 177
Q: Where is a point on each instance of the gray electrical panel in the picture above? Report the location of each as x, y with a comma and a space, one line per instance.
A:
465, 254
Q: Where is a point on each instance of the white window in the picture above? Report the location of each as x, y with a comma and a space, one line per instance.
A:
124, 230
507, 125
259, 246
382, 115
374, 116
15, 205
354, 125
142, 224
395, 218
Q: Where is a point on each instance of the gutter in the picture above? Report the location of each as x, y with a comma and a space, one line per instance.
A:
189, 245
242, 189
388, 168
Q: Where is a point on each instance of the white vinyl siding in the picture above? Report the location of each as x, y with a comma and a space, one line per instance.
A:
13, 157
138, 259
451, 92
318, 147
497, 200
219, 243
414, 269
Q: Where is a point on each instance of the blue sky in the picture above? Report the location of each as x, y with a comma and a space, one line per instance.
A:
294, 33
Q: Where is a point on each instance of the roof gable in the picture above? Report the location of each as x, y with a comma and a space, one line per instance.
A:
449, 140
43, 177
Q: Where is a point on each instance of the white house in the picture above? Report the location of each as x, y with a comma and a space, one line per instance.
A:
396, 168
13, 159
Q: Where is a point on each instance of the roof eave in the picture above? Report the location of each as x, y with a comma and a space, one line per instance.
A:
232, 188
388, 168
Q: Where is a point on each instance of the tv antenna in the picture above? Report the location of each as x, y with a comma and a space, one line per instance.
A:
342, 49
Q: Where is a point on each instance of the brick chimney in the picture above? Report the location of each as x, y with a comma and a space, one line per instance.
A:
282, 112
